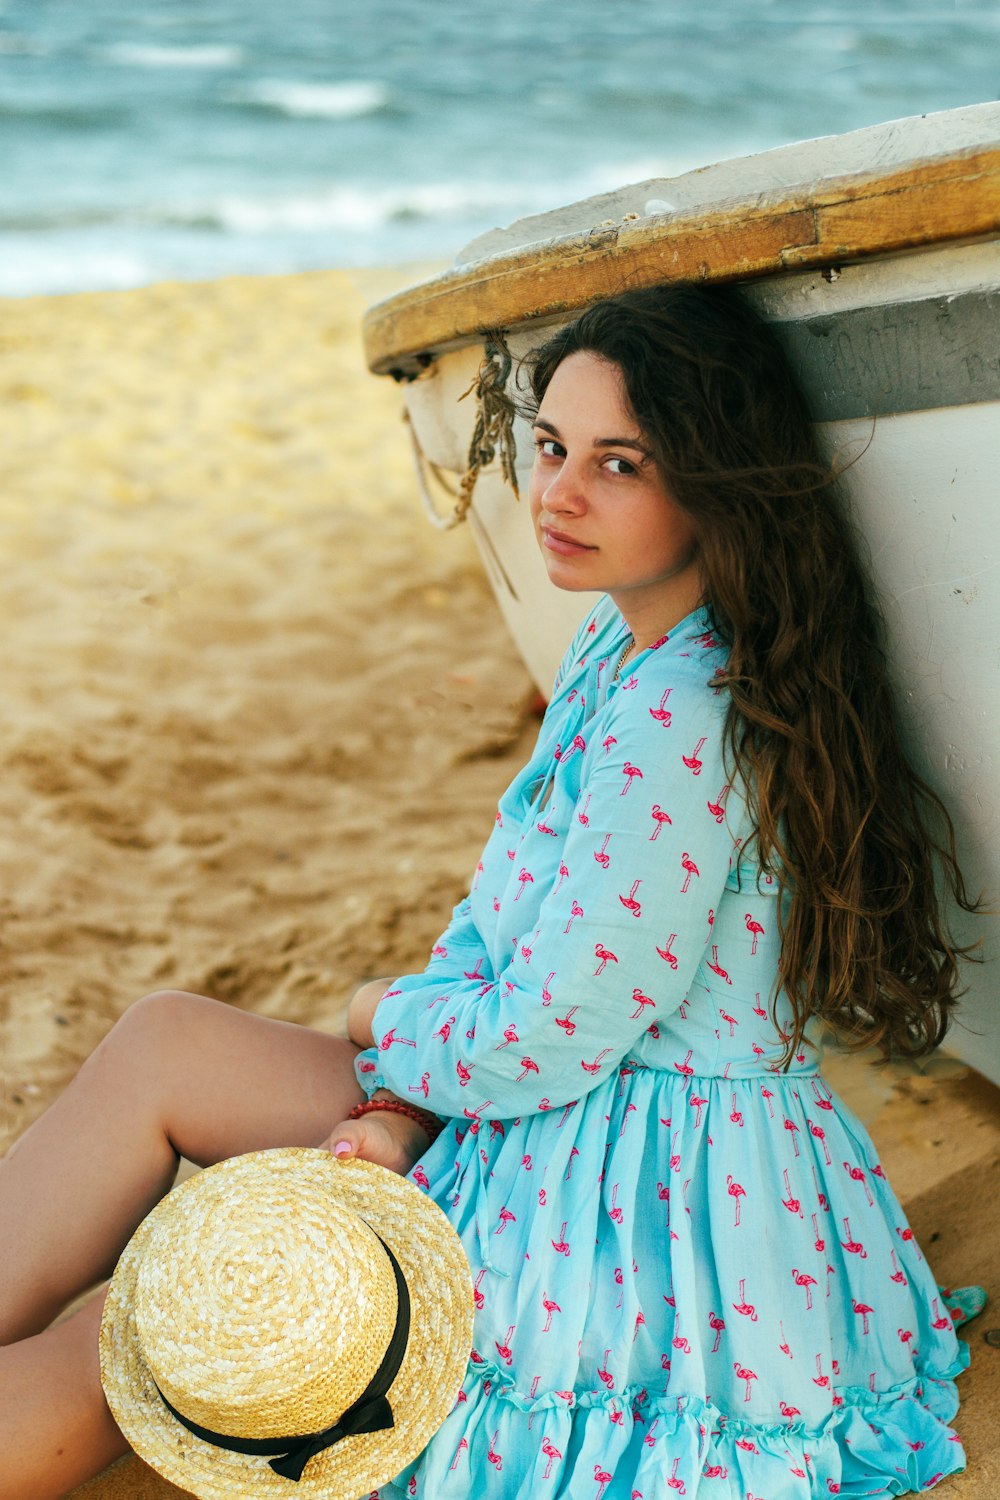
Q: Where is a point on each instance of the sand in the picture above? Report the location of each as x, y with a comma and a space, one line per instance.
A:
257, 714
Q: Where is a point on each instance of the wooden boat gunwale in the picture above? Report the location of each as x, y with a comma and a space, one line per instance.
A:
822, 223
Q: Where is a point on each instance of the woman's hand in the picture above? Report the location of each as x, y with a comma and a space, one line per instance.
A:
381, 1136
361, 1011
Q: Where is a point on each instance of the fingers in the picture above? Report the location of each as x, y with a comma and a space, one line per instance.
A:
377, 1139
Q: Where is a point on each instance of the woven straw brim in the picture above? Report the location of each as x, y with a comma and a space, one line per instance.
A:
423, 1393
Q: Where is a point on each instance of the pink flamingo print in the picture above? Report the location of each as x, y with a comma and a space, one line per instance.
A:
784, 1346
746, 1375
758, 1009
566, 1022
506, 1217
546, 992
719, 1324
822, 1100
601, 855
423, 1087
525, 877
718, 807
641, 1001
819, 1378
551, 1453
543, 827
685, 1066
503, 1349
420, 1178
463, 1074
563, 875
595, 1066
715, 1471
737, 1191
755, 929
791, 1412
803, 1279
604, 1372
748, 1445
615, 1211
662, 714
479, 872
528, 1065
550, 1308
735, 1114
605, 956
824, 1201
673, 1483
476, 972
629, 902
820, 1135
743, 1307
858, 1175
640, 1322
906, 1233
509, 1037
574, 1152
697, 1104
630, 772
492, 1454
666, 954
939, 1320
391, 1039
659, 817
576, 910
603, 1480
852, 1246
463, 1444
897, 1274
692, 762
791, 1203
863, 1309
606, 744
561, 1246
768, 1096
581, 816
690, 868
819, 1242
477, 1296
717, 968
793, 1131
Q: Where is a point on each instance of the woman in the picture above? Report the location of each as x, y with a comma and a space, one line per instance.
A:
689, 1268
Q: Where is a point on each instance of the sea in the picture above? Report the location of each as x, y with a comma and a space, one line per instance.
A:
143, 140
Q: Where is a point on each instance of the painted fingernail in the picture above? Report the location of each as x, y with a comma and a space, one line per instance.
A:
342, 1148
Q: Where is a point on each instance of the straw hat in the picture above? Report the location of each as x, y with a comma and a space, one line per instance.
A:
259, 1299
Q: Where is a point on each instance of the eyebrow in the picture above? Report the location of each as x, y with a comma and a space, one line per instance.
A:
608, 442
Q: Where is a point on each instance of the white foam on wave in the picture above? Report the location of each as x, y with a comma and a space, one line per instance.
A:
138, 54
321, 101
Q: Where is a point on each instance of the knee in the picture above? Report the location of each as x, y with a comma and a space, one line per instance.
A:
151, 1027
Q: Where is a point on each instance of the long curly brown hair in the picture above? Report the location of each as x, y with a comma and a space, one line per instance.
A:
853, 835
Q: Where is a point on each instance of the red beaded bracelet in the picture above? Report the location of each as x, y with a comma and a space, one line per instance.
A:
429, 1124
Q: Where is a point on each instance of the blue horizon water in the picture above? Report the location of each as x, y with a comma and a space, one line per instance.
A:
184, 140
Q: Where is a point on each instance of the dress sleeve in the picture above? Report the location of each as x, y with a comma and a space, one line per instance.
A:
617, 939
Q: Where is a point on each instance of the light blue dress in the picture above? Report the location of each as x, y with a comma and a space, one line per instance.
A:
691, 1275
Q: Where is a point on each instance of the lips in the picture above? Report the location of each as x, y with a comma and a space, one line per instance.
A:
566, 546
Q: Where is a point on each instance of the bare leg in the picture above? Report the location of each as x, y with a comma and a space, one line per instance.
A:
52, 1393
178, 1075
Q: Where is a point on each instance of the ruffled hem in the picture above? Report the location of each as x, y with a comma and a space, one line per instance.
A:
562, 1445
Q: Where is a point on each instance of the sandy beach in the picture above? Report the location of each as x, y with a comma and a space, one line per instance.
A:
257, 714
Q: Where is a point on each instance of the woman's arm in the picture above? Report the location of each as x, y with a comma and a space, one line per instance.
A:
646, 866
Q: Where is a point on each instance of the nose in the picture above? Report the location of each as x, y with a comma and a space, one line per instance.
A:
565, 491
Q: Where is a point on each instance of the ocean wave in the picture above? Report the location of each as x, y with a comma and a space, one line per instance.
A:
320, 101
142, 55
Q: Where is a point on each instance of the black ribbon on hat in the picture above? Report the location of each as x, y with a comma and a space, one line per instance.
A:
371, 1412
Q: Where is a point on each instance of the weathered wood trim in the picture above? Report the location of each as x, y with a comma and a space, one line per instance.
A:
821, 223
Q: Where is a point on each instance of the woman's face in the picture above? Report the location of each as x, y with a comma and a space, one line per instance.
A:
602, 515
